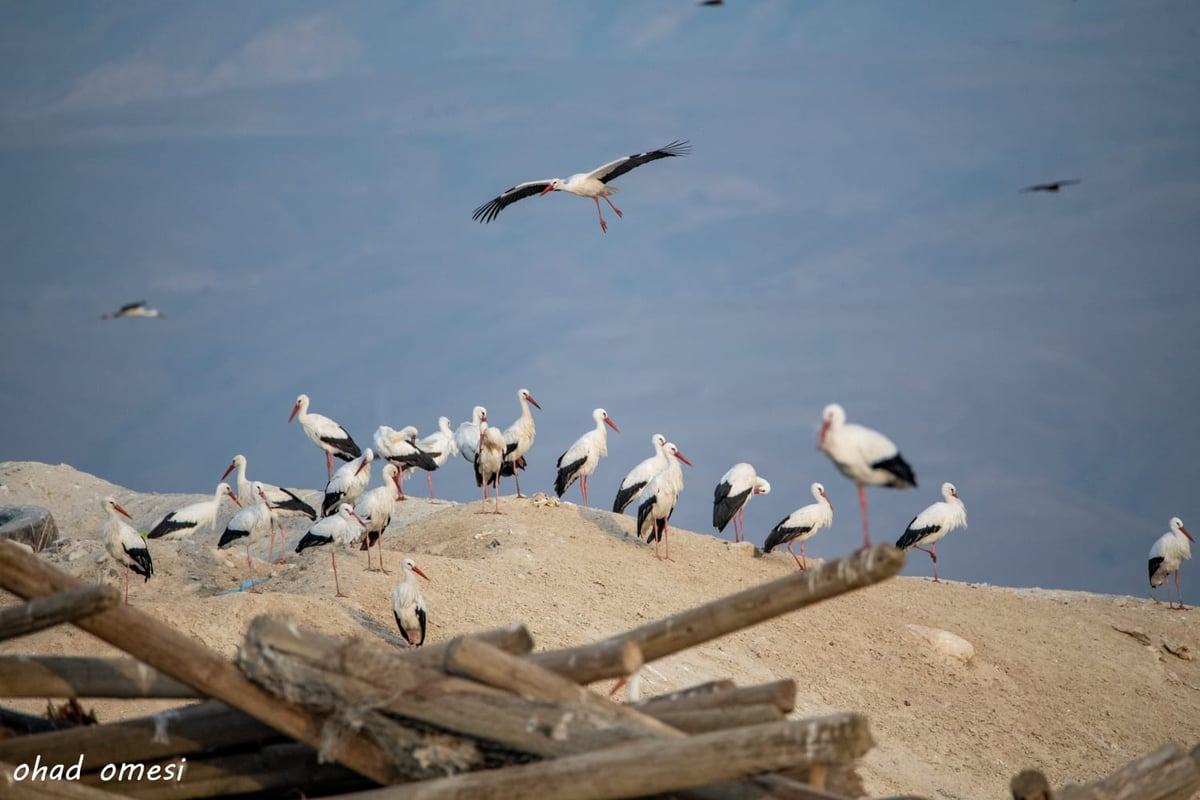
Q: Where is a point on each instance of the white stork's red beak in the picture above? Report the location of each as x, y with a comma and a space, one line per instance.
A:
417, 570
1183, 530
547, 190
295, 408
233, 497
824, 430
611, 424
120, 510
680, 456
827, 500
228, 470
529, 397
361, 466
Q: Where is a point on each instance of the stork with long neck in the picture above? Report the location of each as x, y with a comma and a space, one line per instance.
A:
580, 459
124, 544
518, 437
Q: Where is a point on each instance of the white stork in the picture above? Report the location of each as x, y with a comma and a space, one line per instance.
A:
124, 544
191, 518
1171, 550
325, 434
489, 461
337, 529
640, 475
466, 435
594, 184
350, 481
933, 523
401, 448
801, 525
247, 523
731, 495
661, 495
408, 605
518, 437
375, 509
581, 458
863, 455
137, 309
284, 502
439, 445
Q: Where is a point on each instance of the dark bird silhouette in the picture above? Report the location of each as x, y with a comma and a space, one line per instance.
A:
712, 2
1051, 187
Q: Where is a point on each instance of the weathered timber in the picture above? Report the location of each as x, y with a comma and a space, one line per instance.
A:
703, 720
16, 723
1168, 773
630, 770
735, 612
709, 687
184, 659
68, 676
12, 789
1030, 784
781, 694
46, 612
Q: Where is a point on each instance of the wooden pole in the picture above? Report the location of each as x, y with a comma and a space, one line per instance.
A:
735, 612
635, 770
184, 659
46, 612
781, 694
1168, 773
703, 720
67, 676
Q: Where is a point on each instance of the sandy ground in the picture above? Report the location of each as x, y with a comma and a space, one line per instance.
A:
1053, 684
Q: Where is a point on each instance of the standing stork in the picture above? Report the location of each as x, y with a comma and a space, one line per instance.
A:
350, 481
581, 458
408, 605
594, 184
933, 523
439, 445
731, 495
489, 462
863, 455
466, 435
189, 519
518, 437
124, 544
661, 495
284, 502
375, 509
400, 447
801, 525
640, 475
1171, 550
339, 530
325, 434
247, 523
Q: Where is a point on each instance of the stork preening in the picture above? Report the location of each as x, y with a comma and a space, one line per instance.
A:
466, 435
594, 184
375, 507
339, 529
1171, 550
284, 502
581, 458
734, 490
247, 523
641, 475
191, 518
137, 309
124, 544
863, 455
801, 525
518, 437
350, 481
408, 605
659, 499
401, 448
325, 434
489, 462
933, 523
439, 446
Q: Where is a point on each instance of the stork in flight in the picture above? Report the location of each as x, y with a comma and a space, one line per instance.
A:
137, 309
1052, 186
594, 184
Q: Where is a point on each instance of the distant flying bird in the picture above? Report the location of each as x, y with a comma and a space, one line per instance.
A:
801, 525
863, 455
189, 519
124, 544
711, 2
325, 434
1171, 550
594, 184
439, 446
1053, 186
660, 497
731, 495
641, 475
518, 437
137, 309
284, 502
337, 529
350, 480
933, 523
408, 605
580, 459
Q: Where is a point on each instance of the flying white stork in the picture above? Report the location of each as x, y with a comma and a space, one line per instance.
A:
581, 458
933, 523
137, 309
408, 605
518, 437
1171, 550
731, 495
640, 475
594, 184
284, 502
489, 461
350, 481
661, 495
863, 455
400, 447
325, 434
801, 525
191, 518
124, 544
440, 446
247, 523
338, 529
466, 435
375, 509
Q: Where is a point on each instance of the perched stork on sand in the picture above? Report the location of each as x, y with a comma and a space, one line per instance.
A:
801, 525
581, 458
408, 605
189, 519
933, 523
1171, 550
339, 529
734, 490
325, 434
124, 544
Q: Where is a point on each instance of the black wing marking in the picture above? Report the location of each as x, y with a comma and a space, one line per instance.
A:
1052, 186
902, 474
295, 505
625, 496
142, 564
346, 448
726, 505
781, 535
1155, 563
491, 209
230, 536
915, 535
167, 525
679, 147
131, 306
421, 617
313, 540
567, 475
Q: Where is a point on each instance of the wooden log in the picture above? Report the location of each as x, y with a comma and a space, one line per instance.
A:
1168, 773
633, 770
12, 789
1030, 784
735, 612
703, 720
16, 723
781, 694
66, 676
46, 612
189, 662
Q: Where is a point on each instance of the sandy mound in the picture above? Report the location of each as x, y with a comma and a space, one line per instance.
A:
1051, 683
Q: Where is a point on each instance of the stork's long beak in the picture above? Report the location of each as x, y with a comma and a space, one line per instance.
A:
681, 457
361, 466
233, 497
1183, 530
824, 430
295, 408
608, 421
547, 190
228, 470
827, 500
121, 510
530, 398
417, 570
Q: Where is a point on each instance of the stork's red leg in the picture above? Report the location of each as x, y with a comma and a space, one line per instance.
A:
379, 544
329, 463
1179, 592
337, 585
127, 585
862, 503
614, 208
429, 480
603, 224
282, 543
